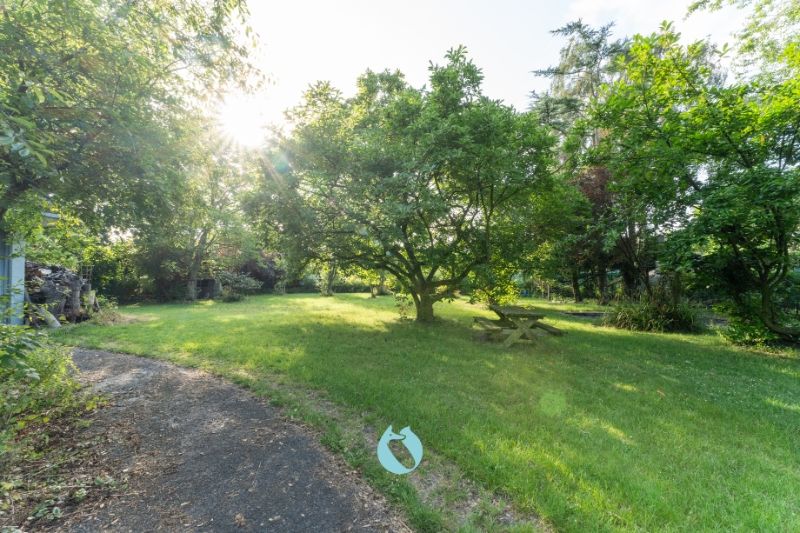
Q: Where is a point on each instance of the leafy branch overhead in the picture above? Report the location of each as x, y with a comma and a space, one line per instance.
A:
95, 98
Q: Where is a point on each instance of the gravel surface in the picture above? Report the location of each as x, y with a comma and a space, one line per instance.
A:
201, 454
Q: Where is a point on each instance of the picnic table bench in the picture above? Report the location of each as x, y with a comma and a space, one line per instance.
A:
516, 324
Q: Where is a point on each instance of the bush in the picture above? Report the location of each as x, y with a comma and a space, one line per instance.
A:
17, 345
36, 381
109, 312
312, 283
266, 268
655, 313
236, 286
746, 328
404, 305
746, 331
352, 286
229, 296
307, 284
40, 405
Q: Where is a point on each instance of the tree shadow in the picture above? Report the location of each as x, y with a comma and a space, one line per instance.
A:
597, 429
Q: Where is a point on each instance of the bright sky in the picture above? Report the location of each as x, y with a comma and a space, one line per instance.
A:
309, 40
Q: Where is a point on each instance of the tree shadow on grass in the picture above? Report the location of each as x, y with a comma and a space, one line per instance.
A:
576, 427
598, 429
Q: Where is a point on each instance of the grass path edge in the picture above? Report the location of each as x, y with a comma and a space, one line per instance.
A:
437, 498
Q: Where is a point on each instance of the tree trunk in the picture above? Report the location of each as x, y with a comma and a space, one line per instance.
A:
382, 289
629, 280
75, 300
191, 283
48, 317
330, 279
198, 255
576, 286
767, 316
191, 288
602, 284
424, 305
675, 288
645, 277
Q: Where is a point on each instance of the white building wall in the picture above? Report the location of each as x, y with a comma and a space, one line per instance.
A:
12, 280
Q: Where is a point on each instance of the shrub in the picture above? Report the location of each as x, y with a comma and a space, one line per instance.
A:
655, 313
313, 283
404, 305
109, 312
236, 286
306, 284
16, 347
745, 326
36, 381
40, 405
280, 287
747, 331
267, 268
229, 296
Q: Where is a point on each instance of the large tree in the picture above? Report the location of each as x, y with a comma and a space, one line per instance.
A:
713, 165
413, 182
205, 230
587, 61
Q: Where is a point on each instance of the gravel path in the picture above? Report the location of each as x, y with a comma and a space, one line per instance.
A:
201, 454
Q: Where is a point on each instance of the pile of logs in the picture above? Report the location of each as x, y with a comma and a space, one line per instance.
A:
55, 294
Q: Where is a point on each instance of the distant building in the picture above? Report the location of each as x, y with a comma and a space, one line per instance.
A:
12, 275
12, 280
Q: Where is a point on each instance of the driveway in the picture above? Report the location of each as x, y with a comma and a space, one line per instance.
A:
198, 453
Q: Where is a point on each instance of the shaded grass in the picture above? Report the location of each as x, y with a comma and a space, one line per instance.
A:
601, 429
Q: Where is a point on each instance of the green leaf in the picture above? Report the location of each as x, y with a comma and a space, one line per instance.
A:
23, 122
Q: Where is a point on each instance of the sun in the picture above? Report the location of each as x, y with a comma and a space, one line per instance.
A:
243, 120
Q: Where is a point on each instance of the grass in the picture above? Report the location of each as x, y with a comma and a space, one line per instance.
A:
600, 429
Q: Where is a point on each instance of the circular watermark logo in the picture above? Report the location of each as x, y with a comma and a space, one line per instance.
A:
409, 440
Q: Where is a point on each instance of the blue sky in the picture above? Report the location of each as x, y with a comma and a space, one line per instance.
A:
308, 40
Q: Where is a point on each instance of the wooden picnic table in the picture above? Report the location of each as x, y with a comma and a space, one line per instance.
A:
516, 324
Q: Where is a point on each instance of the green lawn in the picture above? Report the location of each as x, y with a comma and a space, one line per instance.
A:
597, 430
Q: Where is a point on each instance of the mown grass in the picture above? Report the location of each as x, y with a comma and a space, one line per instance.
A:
600, 429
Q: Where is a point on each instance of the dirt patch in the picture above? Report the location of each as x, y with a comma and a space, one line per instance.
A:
198, 453
59, 469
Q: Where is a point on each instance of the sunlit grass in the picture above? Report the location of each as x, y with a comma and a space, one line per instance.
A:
600, 429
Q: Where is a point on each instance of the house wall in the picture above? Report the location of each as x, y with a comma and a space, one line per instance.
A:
12, 281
